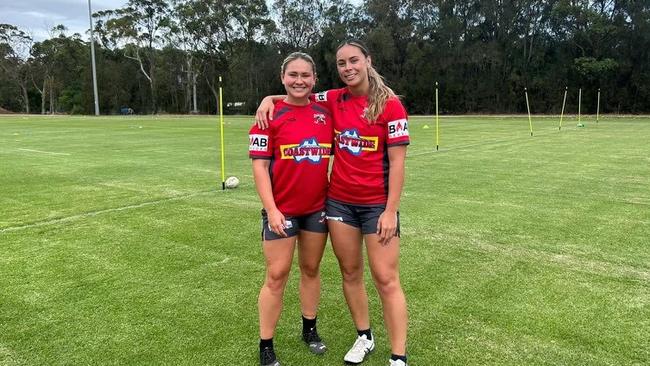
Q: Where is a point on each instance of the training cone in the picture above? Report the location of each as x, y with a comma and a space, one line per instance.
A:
426, 127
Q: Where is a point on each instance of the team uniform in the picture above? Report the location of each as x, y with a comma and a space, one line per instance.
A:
358, 190
298, 143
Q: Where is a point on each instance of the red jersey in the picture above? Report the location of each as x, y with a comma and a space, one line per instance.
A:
298, 142
360, 170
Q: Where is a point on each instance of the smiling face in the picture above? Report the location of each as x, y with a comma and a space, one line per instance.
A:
298, 79
352, 66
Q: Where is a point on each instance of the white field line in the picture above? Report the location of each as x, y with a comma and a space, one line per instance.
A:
44, 152
100, 212
124, 187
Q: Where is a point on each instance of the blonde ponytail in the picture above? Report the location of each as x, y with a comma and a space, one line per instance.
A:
378, 95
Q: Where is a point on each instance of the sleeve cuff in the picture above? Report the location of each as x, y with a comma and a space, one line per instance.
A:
400, 143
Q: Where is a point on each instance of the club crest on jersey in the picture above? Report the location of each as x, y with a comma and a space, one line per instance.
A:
398, 128
350, 141
258, 142
319, 119
309, 150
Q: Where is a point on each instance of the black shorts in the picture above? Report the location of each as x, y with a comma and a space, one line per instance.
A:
314, 222
363, 217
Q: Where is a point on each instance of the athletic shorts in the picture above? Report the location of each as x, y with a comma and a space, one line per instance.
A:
363, 217
314, 222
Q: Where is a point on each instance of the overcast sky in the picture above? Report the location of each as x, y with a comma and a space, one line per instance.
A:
38, 16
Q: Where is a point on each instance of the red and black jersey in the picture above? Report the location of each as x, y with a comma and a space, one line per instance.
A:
299, 143
360, 170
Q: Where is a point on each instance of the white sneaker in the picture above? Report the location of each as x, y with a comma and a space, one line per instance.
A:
361, 347
397, 363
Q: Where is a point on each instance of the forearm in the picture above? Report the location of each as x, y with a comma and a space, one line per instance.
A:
275, 98
396, 157
263, 184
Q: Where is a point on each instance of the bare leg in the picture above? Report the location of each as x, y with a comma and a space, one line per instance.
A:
346, 242
311, 246
384, 266
278, 254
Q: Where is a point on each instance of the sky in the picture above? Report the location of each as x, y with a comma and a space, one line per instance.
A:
38, 16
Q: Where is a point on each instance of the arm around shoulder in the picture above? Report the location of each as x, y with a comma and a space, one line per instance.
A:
265, 110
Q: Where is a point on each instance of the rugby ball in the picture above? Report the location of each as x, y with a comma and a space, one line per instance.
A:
232, 182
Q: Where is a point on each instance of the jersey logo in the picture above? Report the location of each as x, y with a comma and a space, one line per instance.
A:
258, 142
309, 150
351, 141
319, 119
321, 97
398, 128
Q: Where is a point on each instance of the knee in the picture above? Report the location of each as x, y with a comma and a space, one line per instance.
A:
310, 271
352, 274
276, 280
387, 284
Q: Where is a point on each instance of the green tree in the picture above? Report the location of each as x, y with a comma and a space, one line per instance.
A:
140, 28
15, 47
299, 23
59, 62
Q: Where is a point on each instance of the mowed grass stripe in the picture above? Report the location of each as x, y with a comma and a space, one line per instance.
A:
516, 249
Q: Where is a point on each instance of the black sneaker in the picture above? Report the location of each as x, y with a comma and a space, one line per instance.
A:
314, 342
267, 357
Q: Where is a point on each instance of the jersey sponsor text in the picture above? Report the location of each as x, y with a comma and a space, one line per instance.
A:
258, 142
398, 128
309, 149
351, 141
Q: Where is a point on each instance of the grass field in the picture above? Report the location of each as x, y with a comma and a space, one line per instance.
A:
117, 245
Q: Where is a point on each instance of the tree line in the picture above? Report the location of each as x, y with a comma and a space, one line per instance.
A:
158, 56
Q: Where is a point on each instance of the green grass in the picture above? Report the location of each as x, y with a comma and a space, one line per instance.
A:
117, 245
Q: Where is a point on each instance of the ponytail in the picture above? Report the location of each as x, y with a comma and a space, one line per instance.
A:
378, 95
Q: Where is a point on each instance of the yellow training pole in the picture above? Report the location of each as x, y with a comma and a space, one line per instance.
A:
579, 104
223, 159
563, 104
530, 121
437, 123
598, 106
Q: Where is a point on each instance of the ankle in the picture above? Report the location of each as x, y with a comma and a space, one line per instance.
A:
366, 332
266, 343
308, 324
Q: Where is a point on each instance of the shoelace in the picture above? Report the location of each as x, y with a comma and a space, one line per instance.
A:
312, 336
359, 345
268, 355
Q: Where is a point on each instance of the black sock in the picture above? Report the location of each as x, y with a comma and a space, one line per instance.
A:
308, 324
367, 332
266, 343
395, 357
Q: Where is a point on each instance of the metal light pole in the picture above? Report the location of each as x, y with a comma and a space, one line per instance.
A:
92, 57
